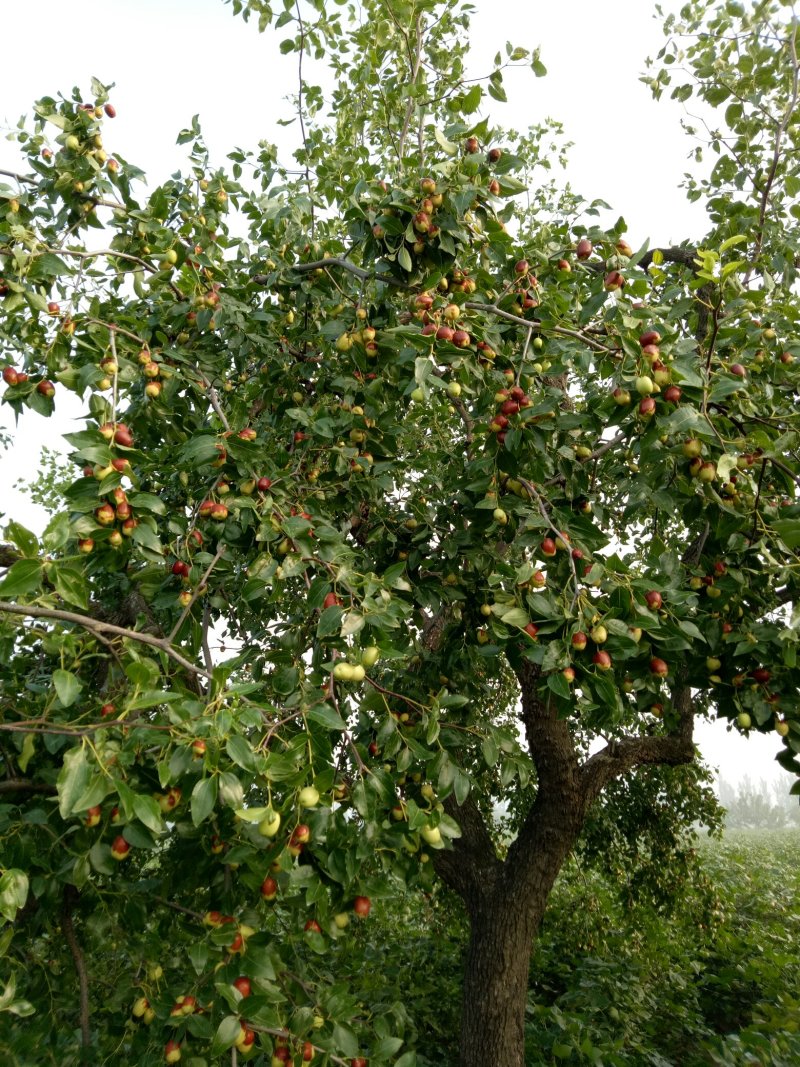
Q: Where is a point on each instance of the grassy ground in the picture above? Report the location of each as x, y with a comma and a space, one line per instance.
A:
715, 980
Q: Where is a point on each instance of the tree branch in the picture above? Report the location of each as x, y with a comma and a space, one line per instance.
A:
618, 757
22, 785
343, 264
71, 895
554, 821
410, 102
97, 627
563, 331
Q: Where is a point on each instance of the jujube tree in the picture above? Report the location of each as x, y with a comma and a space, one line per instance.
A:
398, 494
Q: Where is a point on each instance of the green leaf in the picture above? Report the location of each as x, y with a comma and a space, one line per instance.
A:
198, 954
240, 752
591, 306
198, 450
204, 797
512, 616
72, 779
227, 1032
231, 792
13, 892
351, 624
67, 686
147, 811
447, 146
147, 502
789, 531
57, 532
25, 541
387, 1047
345, 1040
24, 577
151, 698
70, 584
731, 241
145, 536
326, 716
490, 751
461, 785
329, 621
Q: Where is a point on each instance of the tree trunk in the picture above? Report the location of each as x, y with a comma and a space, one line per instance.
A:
496, 985
504, 920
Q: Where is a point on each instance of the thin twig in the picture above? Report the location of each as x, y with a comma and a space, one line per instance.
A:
178, 907
786, 470
195, 594
493, 309
599, 451
212, 396
42, 726
18, 177
21, 785
789, 114
204, 638
412, 80
102, 252
343, 264
545, 515
301, 51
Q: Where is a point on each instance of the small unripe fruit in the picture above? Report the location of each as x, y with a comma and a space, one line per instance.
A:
270, 824
308, 797
431, 834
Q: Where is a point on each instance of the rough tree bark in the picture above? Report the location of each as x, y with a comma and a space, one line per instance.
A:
506, 900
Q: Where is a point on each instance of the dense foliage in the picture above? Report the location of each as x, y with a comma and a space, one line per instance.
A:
372, 450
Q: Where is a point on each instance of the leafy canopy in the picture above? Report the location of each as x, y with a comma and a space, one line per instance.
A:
363, 442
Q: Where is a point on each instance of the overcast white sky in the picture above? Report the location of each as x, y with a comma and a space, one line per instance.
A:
171, 59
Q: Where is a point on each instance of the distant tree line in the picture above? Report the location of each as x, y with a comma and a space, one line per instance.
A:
763, 805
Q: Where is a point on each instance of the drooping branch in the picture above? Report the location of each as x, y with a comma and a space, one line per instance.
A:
22, 785
71, 895
97, 627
